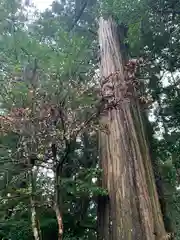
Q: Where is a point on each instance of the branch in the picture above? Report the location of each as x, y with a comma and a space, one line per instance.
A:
94, 33
78, 16
70, 143
87, 226
168, 12
67, 151
99, 109
165, 10
61, 115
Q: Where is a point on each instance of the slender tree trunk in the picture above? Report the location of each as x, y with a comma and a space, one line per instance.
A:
57, 207
34, 218
132, 210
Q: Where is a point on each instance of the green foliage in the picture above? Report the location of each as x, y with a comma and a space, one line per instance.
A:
64, 70
67, 62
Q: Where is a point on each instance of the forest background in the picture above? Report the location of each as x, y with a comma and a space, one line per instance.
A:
51, 58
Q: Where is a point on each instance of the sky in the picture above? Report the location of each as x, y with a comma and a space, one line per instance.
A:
42, 4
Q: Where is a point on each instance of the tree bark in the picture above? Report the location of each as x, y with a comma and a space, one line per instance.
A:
34, 218
132, 209
57, 205
160, 184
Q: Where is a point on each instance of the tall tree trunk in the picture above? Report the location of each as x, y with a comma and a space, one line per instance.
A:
57, 204
57, 190
160, 185
34, 218
132, 210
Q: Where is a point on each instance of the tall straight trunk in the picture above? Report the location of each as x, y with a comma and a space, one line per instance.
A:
132, 210
57, 204
34, 218
160, 184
